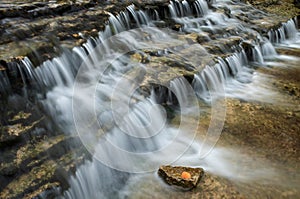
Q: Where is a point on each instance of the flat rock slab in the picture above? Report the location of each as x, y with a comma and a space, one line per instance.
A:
172, 175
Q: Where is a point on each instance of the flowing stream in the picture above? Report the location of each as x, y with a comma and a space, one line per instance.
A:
94, 91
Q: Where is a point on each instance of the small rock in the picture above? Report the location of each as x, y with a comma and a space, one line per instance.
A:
172, 175
75, 35
177, 27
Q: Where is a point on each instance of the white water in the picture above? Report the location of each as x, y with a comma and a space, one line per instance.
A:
138, 138
149, 142
287, 33
234, 68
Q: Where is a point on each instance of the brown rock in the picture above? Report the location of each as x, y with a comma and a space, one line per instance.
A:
172, 176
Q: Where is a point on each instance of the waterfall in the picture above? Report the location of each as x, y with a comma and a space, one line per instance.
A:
129, 129
268, 50
180, 9
201, 7
92, 91
183, 9
62, 69
212, 78
95, 180
288, 31
173, 10
139, 16
5, 85
186, 8
257, 54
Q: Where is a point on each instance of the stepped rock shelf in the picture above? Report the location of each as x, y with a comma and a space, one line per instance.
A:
43, 44
48, 24
50, 33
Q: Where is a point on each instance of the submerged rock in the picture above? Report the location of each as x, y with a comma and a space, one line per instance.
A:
176, 176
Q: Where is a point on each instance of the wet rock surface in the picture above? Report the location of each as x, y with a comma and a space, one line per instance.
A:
47, 35
173, 175
288, 8
210, 186
34, 160
35, 28
266, 132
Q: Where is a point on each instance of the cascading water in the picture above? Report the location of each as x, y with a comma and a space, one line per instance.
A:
62, 70
149, 131
130, 138
257, 54
287, 31
210, 79
201, 8
267, 50
216, 76
4, 83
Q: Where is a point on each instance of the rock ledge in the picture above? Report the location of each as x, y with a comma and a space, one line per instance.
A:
172, 176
